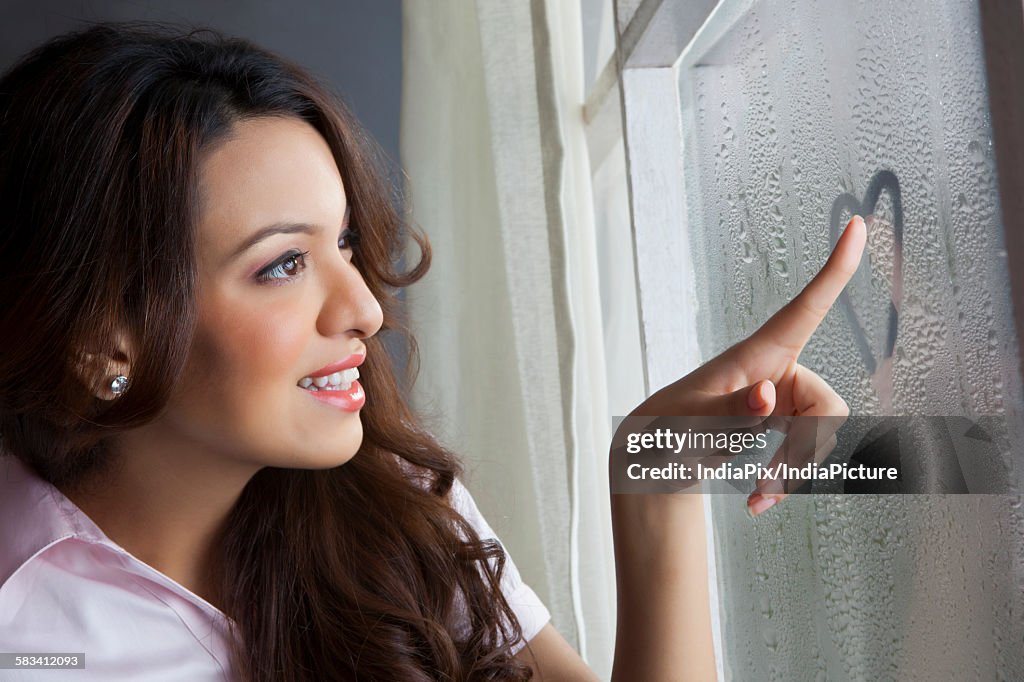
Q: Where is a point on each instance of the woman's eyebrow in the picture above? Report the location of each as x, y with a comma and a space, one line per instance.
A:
277, 228
280, 228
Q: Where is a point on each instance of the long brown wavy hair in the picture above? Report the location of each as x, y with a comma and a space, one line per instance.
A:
355, 572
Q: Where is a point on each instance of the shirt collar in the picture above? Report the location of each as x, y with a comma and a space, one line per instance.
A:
35, 515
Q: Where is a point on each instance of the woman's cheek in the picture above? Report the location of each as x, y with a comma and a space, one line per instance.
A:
236, 349
278, 337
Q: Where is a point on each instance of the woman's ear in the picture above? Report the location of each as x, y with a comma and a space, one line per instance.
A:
97, 371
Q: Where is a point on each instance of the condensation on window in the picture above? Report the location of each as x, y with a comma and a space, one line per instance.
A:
795, 116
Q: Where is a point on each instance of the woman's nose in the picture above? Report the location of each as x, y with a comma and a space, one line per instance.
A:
350, 306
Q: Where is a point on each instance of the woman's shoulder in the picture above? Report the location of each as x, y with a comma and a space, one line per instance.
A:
524, 601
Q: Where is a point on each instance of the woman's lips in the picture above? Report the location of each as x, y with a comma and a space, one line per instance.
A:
350, 400
353, 360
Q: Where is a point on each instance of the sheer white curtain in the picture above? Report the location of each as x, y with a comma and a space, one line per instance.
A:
510, 319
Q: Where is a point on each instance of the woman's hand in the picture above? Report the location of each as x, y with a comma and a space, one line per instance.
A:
761, 375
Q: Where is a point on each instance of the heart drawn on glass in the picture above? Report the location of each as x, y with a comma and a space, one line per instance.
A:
883, 180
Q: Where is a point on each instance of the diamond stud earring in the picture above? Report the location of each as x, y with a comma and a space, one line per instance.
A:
119, 384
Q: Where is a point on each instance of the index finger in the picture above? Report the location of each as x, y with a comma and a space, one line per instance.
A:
792, 326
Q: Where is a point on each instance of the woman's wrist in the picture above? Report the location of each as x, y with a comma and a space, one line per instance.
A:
650, 529
664, 621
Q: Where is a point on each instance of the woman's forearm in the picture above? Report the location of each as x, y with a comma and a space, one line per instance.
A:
664, 616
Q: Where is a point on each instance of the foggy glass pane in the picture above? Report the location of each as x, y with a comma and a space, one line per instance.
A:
796, 115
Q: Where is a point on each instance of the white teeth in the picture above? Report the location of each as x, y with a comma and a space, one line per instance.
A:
341, 381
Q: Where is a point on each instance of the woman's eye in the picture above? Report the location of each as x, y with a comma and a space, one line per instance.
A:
349, 239
288, 267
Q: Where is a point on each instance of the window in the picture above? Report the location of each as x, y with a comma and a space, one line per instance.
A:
753, 131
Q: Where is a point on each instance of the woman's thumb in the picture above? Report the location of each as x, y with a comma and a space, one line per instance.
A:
756, 399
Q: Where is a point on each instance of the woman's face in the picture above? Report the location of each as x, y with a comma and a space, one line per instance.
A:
269, 317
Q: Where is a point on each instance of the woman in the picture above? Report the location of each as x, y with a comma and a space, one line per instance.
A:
210, 468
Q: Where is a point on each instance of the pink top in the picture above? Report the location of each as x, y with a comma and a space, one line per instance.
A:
65, 587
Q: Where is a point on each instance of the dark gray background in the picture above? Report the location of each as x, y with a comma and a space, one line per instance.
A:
355, 44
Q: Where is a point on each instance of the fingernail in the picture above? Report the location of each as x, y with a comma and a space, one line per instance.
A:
855, 219
758, 504
754, 400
